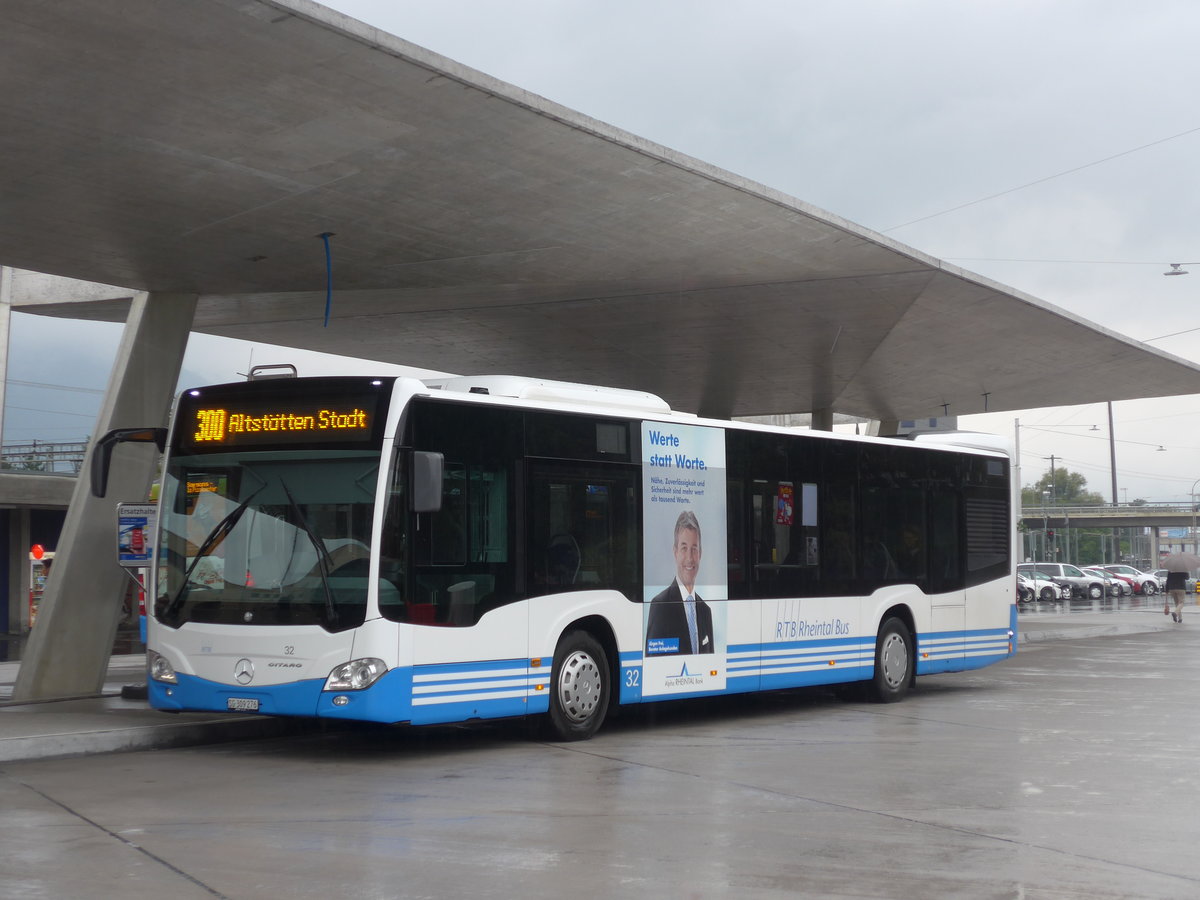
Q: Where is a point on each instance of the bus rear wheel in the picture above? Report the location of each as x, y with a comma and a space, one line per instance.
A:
893, 662
580, 686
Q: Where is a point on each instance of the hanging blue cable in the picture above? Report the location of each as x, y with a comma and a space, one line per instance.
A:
325, 236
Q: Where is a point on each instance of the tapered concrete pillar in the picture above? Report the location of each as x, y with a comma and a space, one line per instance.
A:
69, 647
19, 570
822, 419
6, 277
16, 593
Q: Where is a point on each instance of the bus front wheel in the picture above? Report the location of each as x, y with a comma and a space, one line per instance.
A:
893, 662
579, 688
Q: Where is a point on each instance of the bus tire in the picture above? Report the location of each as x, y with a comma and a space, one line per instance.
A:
894, 660
580, 686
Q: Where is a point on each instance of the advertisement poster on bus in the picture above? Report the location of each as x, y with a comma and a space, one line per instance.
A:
684, 546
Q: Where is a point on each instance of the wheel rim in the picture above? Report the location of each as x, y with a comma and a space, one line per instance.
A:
893, 660
579, 686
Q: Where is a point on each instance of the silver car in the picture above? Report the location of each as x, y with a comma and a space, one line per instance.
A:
1143, 582
1083, 585
1116, 587
1046, 588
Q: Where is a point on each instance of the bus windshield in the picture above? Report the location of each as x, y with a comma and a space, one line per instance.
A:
279, 537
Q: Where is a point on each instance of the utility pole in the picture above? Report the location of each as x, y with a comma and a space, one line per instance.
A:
1112, 457
1050, 546
1053, 491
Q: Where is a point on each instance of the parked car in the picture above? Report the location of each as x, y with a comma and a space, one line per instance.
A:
1143, 582
1116, 587
1082, 585
1048, 589
1026, 589
1127, 583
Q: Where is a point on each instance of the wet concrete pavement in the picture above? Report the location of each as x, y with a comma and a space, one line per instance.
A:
110, 722
1070, 771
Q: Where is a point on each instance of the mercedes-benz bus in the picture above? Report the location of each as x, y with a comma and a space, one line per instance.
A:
402, 551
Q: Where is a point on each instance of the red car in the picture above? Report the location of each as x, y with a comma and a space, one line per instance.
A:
1143, 582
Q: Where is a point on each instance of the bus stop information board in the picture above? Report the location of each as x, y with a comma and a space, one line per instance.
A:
135, 528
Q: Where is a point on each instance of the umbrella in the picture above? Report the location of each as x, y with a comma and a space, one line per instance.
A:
1181, 562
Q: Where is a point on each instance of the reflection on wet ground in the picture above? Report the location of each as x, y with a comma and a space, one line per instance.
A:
127, 641
1133, 603
12, 645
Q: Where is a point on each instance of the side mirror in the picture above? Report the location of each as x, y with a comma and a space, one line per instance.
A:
102, 452
426, 481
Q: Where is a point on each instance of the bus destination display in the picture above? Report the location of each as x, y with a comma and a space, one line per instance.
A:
223, 421
223, 426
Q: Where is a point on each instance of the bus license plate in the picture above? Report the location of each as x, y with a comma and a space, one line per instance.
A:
241, 704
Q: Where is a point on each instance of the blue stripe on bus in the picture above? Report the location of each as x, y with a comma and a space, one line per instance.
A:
458, 668
827, 675
957, 651
424, 695
455, 692
449, 692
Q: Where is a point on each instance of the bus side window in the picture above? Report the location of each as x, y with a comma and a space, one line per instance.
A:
894, 534
583, 528
781, 475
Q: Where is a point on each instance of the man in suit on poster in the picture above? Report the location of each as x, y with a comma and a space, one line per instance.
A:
680, 622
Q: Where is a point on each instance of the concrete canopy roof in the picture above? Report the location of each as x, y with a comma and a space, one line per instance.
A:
202, 147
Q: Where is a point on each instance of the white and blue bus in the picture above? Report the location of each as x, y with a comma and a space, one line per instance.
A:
398, 551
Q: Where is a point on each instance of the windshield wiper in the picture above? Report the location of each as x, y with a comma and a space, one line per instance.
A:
219, 532
324, 560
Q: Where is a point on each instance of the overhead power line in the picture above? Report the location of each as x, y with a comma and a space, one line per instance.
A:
1030, 184
56, 387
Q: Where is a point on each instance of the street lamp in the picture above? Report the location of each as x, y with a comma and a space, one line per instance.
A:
1178, 268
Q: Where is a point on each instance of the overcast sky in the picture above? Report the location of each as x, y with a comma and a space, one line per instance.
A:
1048, 145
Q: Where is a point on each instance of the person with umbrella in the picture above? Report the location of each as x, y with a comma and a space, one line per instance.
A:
1178, 566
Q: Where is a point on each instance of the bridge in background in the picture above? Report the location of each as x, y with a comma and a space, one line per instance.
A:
45, 457
1054, 532
1149, 515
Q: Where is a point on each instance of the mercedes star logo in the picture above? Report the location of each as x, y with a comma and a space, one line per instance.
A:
243, 671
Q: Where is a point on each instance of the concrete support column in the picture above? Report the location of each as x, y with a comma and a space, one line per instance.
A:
69, 648
19, 541
822, 419
6, 277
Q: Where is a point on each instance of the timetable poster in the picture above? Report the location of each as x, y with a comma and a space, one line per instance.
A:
684, 547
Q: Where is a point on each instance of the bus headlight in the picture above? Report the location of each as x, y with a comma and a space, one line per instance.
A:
159, 669
356, 675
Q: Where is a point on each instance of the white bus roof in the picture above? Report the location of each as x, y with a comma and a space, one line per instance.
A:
521, 388
590, 397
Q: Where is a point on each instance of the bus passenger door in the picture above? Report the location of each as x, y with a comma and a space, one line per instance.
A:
944, 646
